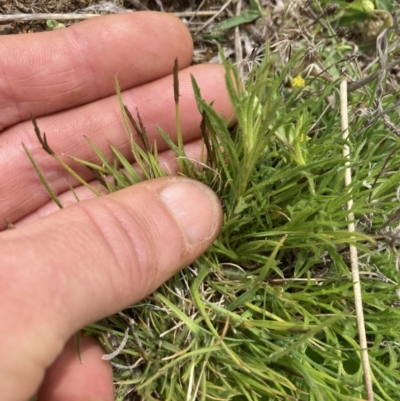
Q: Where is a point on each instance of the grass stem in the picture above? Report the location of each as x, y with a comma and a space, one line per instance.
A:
353, 250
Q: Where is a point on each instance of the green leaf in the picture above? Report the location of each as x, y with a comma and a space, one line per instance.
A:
244, 18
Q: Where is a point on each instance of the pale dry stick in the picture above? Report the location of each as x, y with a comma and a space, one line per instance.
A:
197, 10
208, 22
76, 16
44, 17
353, 250
117, 351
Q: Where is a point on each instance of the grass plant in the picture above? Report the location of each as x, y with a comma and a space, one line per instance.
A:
268, 312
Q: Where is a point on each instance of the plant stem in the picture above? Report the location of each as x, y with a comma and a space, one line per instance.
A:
353, 250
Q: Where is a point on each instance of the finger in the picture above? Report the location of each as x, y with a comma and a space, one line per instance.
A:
21, 190
69, 379
53, 71
91, 260
194, 151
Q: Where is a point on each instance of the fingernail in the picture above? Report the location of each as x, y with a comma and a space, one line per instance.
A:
195, 207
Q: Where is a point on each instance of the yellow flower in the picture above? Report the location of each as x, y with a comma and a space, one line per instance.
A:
298, 82
304, 137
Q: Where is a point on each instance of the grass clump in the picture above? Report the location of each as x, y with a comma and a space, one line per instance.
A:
268, 312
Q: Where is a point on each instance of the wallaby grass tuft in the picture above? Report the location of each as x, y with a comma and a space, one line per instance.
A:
267, 313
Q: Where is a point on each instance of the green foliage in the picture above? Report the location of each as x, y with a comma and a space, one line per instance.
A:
244, 18
267, 313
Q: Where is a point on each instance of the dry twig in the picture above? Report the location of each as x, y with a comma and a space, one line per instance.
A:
75, 16
353, 250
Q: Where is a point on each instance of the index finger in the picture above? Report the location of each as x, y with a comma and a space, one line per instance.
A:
53, 71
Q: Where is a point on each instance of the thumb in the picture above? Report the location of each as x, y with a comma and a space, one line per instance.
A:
90, 260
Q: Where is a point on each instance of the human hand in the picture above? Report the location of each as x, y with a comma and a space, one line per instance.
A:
61, 270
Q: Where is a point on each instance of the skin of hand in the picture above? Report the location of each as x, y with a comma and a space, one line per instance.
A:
63, 269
